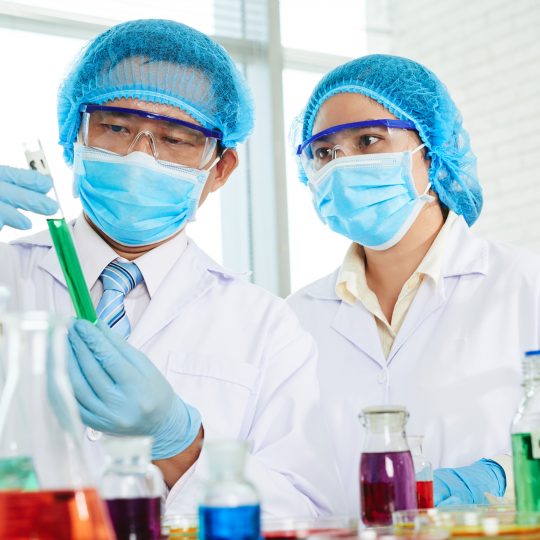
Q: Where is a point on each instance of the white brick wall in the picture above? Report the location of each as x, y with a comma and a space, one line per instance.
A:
488, 54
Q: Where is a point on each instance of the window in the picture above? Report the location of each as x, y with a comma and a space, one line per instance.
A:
317, 37
245, 224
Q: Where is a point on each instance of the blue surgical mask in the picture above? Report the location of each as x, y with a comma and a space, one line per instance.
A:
370, 199
134, 199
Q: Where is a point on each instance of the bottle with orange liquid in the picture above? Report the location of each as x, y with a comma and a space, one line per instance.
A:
423, 472
46, 490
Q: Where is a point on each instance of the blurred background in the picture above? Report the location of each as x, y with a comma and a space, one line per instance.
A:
487, 52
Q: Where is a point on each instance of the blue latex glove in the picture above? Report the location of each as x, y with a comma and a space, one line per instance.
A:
120, 391
23, 189
467, 485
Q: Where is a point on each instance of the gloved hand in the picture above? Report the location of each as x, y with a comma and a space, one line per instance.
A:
120, 391
24, 189
467, 485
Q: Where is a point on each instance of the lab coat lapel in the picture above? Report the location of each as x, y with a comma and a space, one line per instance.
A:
188, 279
356, 324
464, 254
49, 262
428, 299
352, 321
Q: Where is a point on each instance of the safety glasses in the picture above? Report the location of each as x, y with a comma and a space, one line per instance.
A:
121, 130
356, 138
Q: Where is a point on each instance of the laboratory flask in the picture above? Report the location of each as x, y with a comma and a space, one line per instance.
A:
46, 490
132, 488
230, 508
423, 472
387, 481
526, 438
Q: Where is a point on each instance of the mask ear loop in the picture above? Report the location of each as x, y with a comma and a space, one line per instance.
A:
418, 148
424, 195
214, 163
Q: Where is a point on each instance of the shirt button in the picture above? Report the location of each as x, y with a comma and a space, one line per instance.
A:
383, 377
93, 435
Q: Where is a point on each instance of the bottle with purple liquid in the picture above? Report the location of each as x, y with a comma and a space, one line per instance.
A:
387, 480
132, 488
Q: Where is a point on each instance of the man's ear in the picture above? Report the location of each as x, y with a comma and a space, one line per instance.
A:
223, 169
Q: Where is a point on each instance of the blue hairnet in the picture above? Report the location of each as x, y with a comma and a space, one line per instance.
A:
158, 61
411, 92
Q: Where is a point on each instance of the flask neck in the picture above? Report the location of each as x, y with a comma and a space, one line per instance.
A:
37, 393
128, 453
129, 462
385, 431
527, 418
415, 444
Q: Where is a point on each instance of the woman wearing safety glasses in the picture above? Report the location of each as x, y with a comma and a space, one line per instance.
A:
422, 312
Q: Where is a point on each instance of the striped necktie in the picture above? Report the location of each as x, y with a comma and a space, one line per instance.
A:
118, 279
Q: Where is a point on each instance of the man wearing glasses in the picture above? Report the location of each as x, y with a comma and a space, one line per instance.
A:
149, 118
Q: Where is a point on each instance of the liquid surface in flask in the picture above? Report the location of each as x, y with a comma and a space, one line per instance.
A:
526, 473
424, 493
235, 523
54, 515
386, 484
136, 519
18, 473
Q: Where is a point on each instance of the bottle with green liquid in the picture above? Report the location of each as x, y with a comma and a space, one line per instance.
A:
526, 438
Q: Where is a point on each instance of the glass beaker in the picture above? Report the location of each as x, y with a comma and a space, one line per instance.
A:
423, 472
230, 508
526, 438
387, 481
132, 488
46, 490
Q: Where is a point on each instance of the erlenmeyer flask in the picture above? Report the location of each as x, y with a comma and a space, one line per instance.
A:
46, 491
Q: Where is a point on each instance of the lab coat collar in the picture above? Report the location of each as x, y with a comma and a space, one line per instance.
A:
188, 278
465, 253
94, 253
193, 275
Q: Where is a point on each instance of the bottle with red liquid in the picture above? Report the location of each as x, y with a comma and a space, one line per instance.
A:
46, 489
387, 481
132, 488
423, 471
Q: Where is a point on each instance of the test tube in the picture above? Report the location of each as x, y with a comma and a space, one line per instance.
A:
63, 242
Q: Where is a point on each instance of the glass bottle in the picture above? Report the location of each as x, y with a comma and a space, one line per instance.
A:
387, 481
423, 472
46, 490
132, 488
526, 438
230, 508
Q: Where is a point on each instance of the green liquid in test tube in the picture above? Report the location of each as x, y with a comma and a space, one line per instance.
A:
63, 244
69, 261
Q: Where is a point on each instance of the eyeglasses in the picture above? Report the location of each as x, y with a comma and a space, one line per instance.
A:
120, 130
356, 138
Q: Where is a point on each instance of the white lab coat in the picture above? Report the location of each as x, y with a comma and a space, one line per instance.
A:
229, 348
455, 363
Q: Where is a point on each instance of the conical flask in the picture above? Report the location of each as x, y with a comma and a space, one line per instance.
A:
46, 490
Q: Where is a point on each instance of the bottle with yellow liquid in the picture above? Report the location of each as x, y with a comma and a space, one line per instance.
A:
526, 438
46, 490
